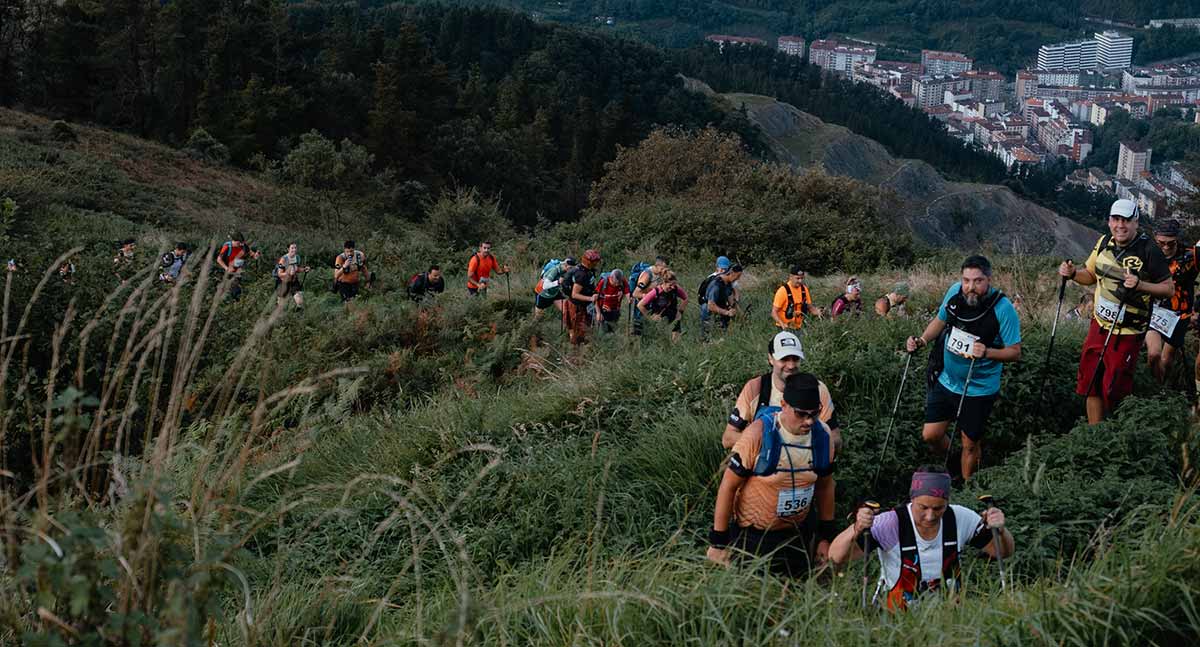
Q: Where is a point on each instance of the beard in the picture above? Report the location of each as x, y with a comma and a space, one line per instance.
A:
971, 298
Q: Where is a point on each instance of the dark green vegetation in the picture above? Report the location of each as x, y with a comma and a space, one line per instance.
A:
1171, 133
440, 97
390, 474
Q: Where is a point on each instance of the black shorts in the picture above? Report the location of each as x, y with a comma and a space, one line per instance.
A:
941, 405
788, 548
1177, 337
611, 316
283, 290
541, 303
347, 290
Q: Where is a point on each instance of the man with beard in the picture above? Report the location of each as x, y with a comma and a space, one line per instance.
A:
1128, 270
977, 330
784, 355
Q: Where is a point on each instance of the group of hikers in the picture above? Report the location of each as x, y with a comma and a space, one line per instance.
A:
777, 491
783, 433
586, 299
350, 269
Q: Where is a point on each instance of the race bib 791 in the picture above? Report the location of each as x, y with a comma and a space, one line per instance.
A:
960, 342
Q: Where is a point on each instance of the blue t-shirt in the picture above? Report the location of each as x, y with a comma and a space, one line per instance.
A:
985, 380
718, 292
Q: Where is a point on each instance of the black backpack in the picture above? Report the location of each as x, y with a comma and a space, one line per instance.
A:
937, 360
702, 293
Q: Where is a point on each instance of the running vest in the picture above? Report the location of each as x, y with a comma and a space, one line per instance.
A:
772, 445
805, 296
980, 320
911, 584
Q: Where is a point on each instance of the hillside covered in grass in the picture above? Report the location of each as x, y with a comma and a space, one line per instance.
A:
181, 469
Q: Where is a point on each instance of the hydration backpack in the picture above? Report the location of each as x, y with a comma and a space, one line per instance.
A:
772, 445
635, 273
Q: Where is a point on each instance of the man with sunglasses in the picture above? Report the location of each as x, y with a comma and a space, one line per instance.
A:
1169, 318
780, 469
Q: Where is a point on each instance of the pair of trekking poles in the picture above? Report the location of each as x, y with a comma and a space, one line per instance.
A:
986, 500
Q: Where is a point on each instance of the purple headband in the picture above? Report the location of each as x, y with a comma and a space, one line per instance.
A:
930, 484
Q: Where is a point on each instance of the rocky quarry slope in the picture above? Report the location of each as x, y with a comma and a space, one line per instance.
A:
937, 211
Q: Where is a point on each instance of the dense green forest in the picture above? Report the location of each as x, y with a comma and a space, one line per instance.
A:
440, 97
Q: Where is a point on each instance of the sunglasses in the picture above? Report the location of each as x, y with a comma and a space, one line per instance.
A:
806, 413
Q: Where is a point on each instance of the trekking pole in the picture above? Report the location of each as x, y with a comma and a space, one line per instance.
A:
1104, 351
1062, 291
961, 400
874, 506
988, 502
892, 421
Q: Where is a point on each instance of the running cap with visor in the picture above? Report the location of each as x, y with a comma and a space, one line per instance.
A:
784, 345
802, 391
723, 262
1126, 209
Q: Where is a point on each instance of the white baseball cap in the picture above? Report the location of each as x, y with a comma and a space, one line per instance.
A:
1127, 209
786, 344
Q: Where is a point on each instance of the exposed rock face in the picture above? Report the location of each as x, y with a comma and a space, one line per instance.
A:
939, 212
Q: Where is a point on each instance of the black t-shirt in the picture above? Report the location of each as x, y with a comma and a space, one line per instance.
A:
422, 284
585, 279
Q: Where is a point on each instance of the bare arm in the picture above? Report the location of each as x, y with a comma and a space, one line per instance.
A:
935, 328
994, 518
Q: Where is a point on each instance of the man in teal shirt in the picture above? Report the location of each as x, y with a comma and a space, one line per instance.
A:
978, 330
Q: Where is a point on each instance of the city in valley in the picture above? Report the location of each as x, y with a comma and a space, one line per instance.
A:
1045, 112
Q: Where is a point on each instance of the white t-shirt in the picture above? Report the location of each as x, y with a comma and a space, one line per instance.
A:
886, 535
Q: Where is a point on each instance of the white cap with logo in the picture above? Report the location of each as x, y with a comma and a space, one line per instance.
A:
786, 344
1127, 209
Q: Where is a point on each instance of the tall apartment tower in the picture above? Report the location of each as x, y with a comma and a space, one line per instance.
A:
1114, 50
1078, 55
1132, 160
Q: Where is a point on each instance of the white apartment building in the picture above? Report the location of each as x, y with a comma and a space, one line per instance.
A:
1114, 50
1077, 55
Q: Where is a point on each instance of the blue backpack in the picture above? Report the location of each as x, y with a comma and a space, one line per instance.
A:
550, 264
635, 272
772, 444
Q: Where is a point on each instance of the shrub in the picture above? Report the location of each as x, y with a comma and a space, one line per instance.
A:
462, 219
203, 146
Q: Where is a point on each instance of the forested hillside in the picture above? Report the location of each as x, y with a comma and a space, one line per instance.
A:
440, 97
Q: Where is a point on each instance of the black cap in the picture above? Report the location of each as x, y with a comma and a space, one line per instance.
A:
798, 270
239, 237
570, 260
802, 391
1167, 227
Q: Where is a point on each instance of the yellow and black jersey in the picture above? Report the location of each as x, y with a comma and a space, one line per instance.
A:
1108, 262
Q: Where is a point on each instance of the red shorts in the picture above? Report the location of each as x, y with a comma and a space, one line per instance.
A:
577, 320
1115, 380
